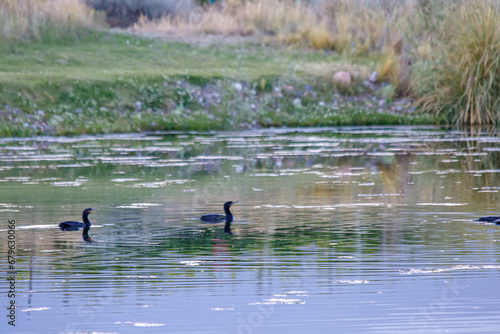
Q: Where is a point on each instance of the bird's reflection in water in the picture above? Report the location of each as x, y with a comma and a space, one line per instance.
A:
85, 234
227, 228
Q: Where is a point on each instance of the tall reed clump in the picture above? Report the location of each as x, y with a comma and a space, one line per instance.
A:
462, 83
43, 20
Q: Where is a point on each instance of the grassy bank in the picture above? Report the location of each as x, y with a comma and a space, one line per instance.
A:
117, 83
59, 76
445, 54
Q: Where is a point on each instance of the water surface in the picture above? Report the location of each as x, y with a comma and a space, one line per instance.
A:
352, 230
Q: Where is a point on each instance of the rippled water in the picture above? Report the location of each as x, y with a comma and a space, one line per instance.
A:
350, 230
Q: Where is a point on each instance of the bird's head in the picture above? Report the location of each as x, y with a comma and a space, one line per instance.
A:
87, 211
227, 205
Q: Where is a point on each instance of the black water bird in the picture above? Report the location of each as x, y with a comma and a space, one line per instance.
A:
74, 225
217, 218
490, 219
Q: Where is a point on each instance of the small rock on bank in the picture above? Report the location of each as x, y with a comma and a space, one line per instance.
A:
343, 78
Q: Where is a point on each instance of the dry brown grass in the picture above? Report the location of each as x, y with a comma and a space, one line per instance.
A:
393, 66
388, 66
292, 23
320, 37
22, 20
211, 21
351, 27
363, 27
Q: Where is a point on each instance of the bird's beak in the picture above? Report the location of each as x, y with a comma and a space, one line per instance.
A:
235, 203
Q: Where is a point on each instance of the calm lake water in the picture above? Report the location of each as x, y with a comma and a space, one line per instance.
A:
345, 230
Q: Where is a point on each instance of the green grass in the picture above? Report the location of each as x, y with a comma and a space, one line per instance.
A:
107, 57
117, 83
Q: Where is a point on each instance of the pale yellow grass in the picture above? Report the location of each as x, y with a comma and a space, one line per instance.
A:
27, 19
356, 27
292, 23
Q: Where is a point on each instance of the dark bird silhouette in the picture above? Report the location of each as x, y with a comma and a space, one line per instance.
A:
490, 219
217, 218
74, 225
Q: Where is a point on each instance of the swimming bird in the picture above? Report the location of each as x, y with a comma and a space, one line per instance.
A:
217, 218
74, 225
490, 219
